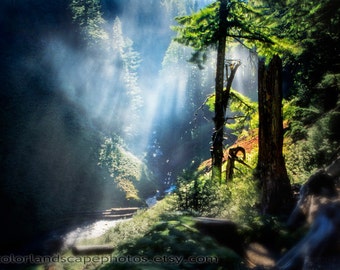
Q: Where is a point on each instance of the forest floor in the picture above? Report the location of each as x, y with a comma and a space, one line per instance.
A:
257, 255
161, 230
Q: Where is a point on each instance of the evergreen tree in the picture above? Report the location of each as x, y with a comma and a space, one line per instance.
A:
315, 26
126, 61
213, 26
313, 74
87, 14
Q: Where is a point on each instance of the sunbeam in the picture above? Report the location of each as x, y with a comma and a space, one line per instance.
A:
107, 120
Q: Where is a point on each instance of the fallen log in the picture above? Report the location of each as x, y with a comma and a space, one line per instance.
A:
92, 250
222, 230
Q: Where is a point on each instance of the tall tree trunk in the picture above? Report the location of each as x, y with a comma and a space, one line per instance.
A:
219, 119
276, 194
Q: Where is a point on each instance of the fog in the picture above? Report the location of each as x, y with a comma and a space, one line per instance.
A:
60, 100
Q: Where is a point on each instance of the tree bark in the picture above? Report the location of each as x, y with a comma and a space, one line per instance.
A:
232, 158
219, 119
276, 196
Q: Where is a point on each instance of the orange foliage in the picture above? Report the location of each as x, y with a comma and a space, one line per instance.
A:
249, 143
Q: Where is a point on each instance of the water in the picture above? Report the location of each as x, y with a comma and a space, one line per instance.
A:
64, 238
88, 231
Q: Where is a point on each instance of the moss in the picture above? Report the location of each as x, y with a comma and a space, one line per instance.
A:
163, 234
127, 171
170, 244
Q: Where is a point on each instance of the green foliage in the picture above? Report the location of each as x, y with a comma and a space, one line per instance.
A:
210, 102
87, 14
273, 23
313, 111
244, 113
124, 233
127, 90
177, 236
315, 25
315, 151
298, 117
176, 7
244, 116
325, 137
198, 30
330, 80
235, 200
172, 234
198, 194
127, 171
174, 56
244, 193
159, 231
300, 162
133, 229
270, 231
251, 25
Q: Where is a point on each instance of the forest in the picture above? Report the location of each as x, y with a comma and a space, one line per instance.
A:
225, 114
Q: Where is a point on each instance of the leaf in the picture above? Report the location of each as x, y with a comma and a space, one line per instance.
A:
210, 102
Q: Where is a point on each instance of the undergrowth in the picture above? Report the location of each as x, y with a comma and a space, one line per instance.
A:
235, 200
167, 230
158, 238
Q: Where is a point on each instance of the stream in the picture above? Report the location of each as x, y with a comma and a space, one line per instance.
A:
88, 231
97, 224
64, 238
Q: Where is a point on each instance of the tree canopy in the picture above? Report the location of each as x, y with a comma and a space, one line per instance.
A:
79, 74
218, 25
251, 24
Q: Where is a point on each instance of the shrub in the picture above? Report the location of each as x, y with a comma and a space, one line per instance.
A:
318, 149
175, 237
198, 194
235, 200
127, 171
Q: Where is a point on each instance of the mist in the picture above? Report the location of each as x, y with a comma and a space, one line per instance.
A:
139, 85
61, 101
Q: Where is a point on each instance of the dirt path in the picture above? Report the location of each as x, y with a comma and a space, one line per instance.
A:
260, 257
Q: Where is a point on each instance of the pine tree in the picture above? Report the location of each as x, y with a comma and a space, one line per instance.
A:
87, 14
213, 26
127, 61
